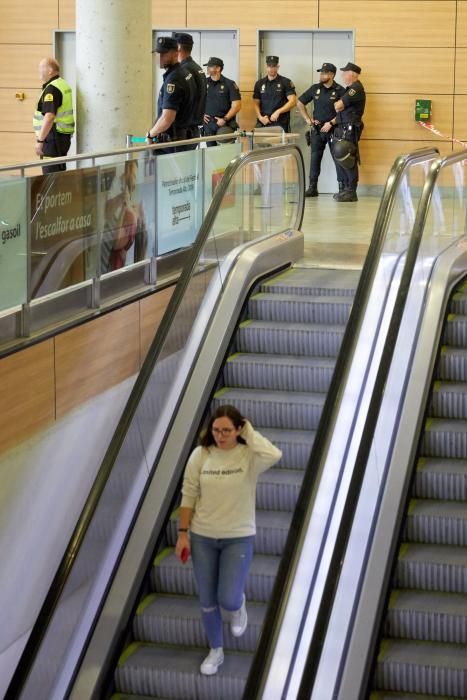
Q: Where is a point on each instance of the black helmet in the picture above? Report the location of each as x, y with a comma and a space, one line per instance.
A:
225, 130
344, 152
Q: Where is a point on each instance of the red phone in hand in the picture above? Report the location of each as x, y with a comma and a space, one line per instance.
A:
184, 555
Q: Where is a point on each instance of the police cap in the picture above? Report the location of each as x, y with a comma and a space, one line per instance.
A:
353, 67
272, 60
328, 68
165, 43
214, 61
183, 38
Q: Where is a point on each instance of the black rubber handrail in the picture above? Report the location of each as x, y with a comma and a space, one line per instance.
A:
57, 586
293, 548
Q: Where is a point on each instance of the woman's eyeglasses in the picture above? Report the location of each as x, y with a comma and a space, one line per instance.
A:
222, 431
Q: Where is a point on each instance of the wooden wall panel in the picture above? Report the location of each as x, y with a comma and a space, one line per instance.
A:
27, 397
16, 114
392, 117
95, 356
66, 14
408, 23
378, 157
460, 117
172, 15
386, 70
152, 309
247, 69
17, 147
248, 15
23, 24
23, 65
461, 33
461, 72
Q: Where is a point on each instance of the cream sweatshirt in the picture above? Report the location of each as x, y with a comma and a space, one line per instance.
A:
220, 485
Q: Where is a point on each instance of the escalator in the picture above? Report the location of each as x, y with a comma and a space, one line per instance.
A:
277, 373
423, 652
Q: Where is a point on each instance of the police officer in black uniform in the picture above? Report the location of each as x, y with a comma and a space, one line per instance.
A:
349, 112
273, 97
323, 95
185, 46
223, 100
177, 99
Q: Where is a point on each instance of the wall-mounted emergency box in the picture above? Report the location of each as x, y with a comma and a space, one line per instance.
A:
422, 110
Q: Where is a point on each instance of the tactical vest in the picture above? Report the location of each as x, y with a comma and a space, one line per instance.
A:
64, 120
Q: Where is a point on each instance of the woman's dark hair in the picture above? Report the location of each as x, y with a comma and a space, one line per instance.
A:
207, 438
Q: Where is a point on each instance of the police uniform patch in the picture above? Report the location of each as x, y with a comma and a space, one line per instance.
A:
49, 97
170, 88
263, 88
352, 92
222, 87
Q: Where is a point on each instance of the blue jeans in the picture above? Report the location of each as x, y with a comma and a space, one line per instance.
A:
221, 569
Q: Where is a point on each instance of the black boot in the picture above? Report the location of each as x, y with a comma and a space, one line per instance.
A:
347, 196
312, 191
341, 189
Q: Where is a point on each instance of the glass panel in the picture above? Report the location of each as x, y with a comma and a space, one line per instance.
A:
14, 244
216, 160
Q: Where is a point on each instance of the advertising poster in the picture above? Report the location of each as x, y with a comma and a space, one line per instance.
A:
62, 229
14, 243
179, 200
127, 205
216, 161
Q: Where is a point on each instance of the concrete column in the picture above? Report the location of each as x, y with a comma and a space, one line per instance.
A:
113, 72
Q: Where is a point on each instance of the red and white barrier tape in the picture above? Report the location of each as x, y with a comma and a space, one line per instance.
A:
430, 127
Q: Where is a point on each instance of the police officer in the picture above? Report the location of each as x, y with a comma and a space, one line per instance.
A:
53, 121
177, 98
323, 95
273, 97
223, 100
349, 112
185, 46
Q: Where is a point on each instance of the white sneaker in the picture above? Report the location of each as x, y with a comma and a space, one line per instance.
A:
239, 620
212, 662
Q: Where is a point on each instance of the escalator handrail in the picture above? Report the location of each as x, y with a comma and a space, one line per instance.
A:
314, 470
60, 579
374, 408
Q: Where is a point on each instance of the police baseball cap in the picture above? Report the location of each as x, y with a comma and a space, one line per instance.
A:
272, 60
183, 38
353, 67
327, 68
214, 61
165, 43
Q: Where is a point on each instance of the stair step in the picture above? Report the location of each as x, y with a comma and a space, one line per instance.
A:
168, 619
271, 409
311, 282
427, 616
455, 331
441, 478
437, 522
388, 695
458, 304
292, 308
281, 372
169, 575
289, 338
295, 446
432, 567
173, 672
452, 364
444, 438
278, 489
422, 667
449, 400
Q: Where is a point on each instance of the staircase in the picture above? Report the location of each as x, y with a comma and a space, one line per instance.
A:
277, 376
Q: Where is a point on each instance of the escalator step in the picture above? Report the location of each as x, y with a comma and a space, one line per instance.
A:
295, 446
281, 372
310, 282
388, 695
427, 616
292, 308
166, 619
125, 696
453, 364
169, 575
455, 331
432, 568
422, 667
289, 338
272, 528
441, 478
458, 304
278, 489
444, 438
270, 409
449, 400
437, 522
173, 672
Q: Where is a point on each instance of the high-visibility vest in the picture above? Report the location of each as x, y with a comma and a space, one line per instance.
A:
64, 119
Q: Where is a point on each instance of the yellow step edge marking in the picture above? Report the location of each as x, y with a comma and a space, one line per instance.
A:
393, 598
421, 463
403, 550
174, 514
437, 385
145, 603
232, 357
243, 324
428, 423
128, 652
412, 506
383, 650
444, 350
162, 555
451, 317
222, 391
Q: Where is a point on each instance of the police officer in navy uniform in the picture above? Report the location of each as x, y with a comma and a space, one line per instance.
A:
223, 100
322, 95
273, 97
177, 98
349, 125
185, 46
